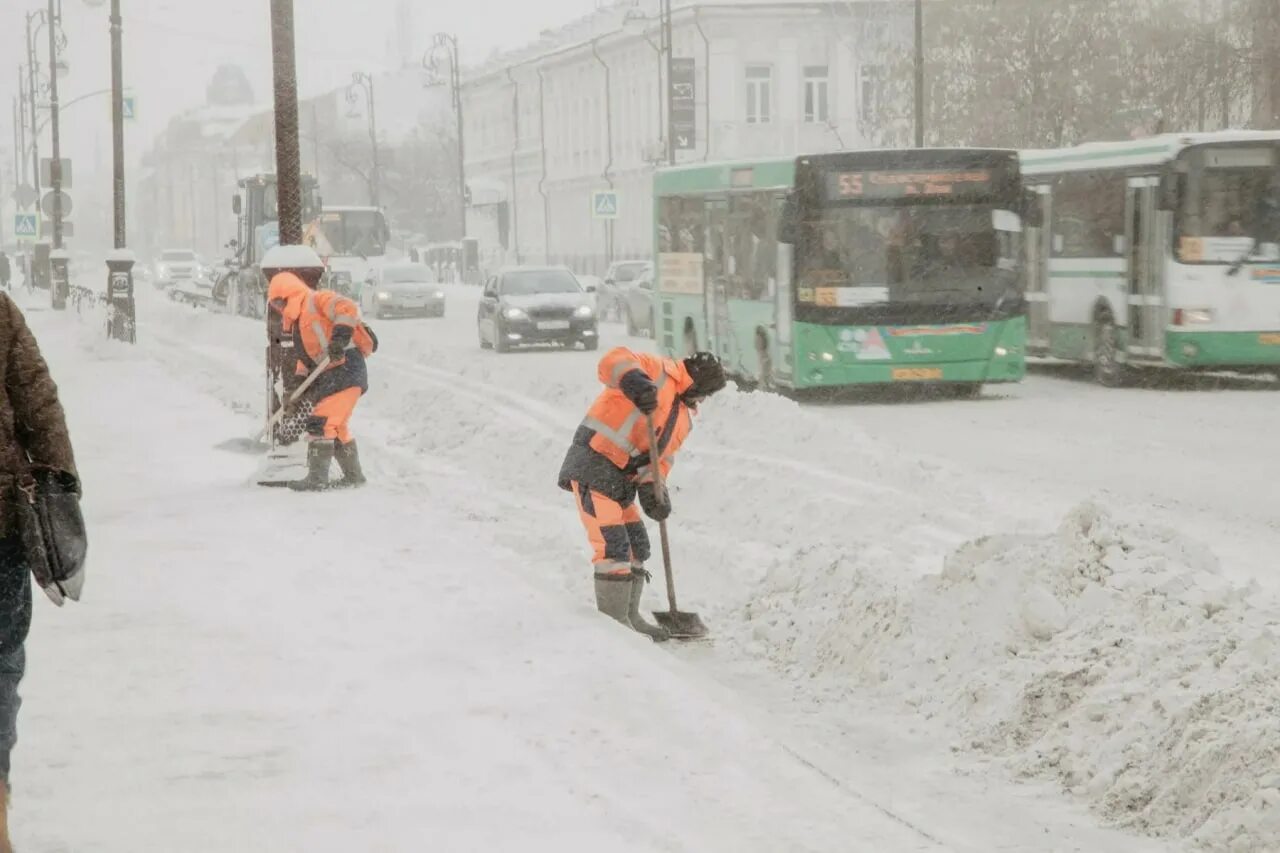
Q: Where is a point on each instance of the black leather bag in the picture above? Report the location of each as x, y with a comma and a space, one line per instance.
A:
51, 528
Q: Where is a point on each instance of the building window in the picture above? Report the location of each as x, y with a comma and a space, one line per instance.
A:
872, 91
759, 94
816, 87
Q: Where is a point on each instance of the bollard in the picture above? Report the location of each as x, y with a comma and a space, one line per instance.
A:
121, 308
60, 260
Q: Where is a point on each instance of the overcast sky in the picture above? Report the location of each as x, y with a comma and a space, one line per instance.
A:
172, 48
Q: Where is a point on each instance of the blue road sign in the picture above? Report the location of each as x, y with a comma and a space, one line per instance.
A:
604, 203
26, 225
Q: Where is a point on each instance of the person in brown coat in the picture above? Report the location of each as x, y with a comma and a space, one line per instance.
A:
33, 430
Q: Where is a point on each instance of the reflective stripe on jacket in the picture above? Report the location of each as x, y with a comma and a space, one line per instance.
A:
610, 450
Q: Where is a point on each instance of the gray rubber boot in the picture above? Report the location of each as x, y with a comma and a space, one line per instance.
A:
613, 596
319, 460
348, 456
638, 579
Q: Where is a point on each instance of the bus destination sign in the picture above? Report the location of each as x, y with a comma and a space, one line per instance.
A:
868, 184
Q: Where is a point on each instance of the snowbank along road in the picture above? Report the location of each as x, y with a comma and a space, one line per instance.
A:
931, 619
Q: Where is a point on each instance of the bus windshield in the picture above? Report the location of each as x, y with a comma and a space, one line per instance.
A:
349, 233
885, 256
1228, 198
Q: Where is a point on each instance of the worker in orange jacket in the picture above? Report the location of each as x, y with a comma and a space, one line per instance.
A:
321, 324
608, 466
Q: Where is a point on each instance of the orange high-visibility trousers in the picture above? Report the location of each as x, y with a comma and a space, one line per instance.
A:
332, 414
617, 534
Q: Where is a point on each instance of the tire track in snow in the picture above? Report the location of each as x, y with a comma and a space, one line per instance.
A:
548, 422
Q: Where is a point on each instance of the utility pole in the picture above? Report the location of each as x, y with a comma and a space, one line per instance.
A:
919, 73
668, 49
122, 322
288, 154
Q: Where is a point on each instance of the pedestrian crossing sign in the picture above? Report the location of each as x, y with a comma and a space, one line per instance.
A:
26, 225
130, 107
605, 204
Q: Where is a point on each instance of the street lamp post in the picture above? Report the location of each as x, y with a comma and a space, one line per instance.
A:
123, 318
919, 73
61, 261
361, 80
446, 41
31, 97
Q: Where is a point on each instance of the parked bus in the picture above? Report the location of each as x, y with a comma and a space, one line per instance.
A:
847, 268
1157, 252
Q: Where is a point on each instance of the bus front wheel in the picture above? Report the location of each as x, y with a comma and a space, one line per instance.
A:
1108, 370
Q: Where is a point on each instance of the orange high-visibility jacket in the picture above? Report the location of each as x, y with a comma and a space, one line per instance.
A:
610, 450
314, 318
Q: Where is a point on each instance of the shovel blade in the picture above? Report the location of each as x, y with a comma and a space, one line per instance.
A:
681, 625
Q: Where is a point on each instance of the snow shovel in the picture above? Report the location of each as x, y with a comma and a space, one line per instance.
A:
259, 442
681, 626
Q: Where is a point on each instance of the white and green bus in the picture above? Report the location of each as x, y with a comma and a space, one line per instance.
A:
1156, 252
850, 268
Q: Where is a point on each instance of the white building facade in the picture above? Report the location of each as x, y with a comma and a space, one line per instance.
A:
583, 111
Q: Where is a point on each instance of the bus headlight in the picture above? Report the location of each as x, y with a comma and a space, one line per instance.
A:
1001, 352
826, 356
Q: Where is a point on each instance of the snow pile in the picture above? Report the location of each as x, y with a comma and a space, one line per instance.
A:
1111, 656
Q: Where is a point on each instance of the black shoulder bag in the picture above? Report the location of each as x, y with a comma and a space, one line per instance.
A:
51, 529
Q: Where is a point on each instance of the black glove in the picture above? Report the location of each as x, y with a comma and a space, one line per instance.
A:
659, 509
639, 389
337, 350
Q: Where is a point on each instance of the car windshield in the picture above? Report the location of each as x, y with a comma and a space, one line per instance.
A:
178, 255
402, 275
529, 282
628, 272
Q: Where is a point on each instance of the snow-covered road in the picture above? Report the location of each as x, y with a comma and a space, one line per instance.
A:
443, 671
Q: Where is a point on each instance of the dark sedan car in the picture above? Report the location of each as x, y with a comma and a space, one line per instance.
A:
536, 305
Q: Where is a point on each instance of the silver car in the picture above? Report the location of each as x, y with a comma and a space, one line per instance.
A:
403, 290
635, 301
619, 274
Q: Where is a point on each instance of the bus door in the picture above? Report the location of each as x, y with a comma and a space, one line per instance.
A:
715, 309
1146, 300
1039, 241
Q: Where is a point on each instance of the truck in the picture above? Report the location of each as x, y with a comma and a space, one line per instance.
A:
242, 289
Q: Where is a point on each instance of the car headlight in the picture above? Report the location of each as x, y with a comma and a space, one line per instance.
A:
383, 296
162, 271
584, 311
515, 314
439, 294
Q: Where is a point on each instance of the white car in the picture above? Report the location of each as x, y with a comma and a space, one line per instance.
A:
175, 265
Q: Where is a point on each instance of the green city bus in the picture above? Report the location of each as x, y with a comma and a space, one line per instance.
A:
849, 268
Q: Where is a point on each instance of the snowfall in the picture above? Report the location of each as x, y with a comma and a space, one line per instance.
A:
1045, 620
